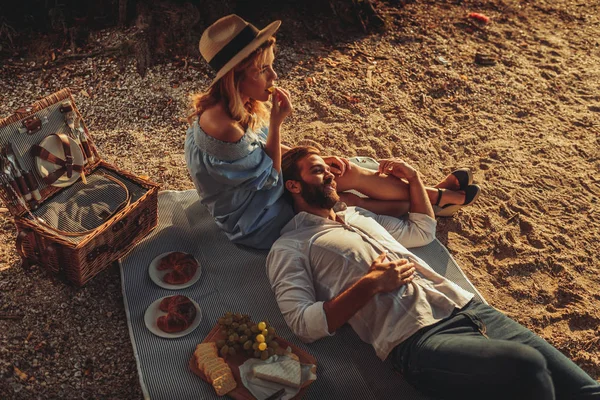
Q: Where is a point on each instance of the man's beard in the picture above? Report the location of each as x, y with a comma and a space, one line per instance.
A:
316, 196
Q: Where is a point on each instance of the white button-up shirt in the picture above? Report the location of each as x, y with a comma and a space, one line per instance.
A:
316, 259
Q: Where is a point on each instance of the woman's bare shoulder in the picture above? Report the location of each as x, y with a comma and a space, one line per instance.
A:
217, 123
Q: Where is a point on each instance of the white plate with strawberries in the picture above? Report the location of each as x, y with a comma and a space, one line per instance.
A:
154, 313
175, 270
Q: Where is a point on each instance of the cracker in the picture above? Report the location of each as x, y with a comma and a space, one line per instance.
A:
218, 372
224, 384
210, 365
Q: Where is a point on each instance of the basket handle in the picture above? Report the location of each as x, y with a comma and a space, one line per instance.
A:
139, 222
51, 259
22, 236
143, 217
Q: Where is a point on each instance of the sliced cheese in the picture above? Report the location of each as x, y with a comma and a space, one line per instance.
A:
286, 372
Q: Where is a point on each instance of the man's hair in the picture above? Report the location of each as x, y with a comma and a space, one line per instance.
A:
291, 158
290, 168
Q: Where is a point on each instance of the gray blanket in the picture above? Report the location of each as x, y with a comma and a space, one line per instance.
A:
234, 279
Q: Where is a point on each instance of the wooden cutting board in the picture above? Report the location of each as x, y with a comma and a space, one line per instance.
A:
234, 362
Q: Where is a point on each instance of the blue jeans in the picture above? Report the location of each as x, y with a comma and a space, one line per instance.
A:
480, 353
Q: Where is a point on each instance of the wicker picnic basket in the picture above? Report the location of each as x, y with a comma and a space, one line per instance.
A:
77, 218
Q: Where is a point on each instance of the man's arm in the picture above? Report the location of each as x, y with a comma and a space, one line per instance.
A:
419, 228
419, 201
381, 277
292, 282
414, 231
342, 307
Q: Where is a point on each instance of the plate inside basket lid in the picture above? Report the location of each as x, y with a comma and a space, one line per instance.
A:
53, 144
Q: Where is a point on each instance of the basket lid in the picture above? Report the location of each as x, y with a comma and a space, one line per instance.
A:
24, 181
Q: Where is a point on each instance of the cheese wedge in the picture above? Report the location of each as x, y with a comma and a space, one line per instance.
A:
286, 372
271, 89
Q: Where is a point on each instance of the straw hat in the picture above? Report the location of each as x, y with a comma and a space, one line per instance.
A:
228, 41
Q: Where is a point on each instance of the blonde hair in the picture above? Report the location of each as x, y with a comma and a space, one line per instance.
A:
253, 114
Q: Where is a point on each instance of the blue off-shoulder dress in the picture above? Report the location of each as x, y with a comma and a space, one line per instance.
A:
239, 186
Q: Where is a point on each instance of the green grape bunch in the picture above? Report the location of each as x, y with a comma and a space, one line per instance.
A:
242, 335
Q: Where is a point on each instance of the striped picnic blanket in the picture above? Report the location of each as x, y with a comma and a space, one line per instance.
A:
234, 279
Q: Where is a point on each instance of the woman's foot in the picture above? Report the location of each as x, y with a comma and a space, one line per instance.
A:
471, 194
447, 197
457, 180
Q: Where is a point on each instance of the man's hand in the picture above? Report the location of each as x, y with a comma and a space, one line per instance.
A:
389, 276
338, 165
382, 277
397, 168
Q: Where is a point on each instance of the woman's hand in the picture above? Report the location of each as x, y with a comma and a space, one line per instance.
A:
281, 108
338, 165
282, 105
398, 168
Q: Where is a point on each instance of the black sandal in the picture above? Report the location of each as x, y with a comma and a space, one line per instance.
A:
464, 176
471, 194
437, 203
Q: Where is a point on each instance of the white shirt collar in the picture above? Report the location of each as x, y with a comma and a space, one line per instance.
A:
306, 219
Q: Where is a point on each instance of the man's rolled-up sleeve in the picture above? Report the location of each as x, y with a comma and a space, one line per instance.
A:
414, 231
291, 280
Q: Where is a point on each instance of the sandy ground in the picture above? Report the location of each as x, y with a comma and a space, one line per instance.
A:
528, 126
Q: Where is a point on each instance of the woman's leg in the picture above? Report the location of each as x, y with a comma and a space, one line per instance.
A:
393, 208
387, 187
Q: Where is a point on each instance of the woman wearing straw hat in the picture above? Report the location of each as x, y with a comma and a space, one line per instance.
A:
233, 147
